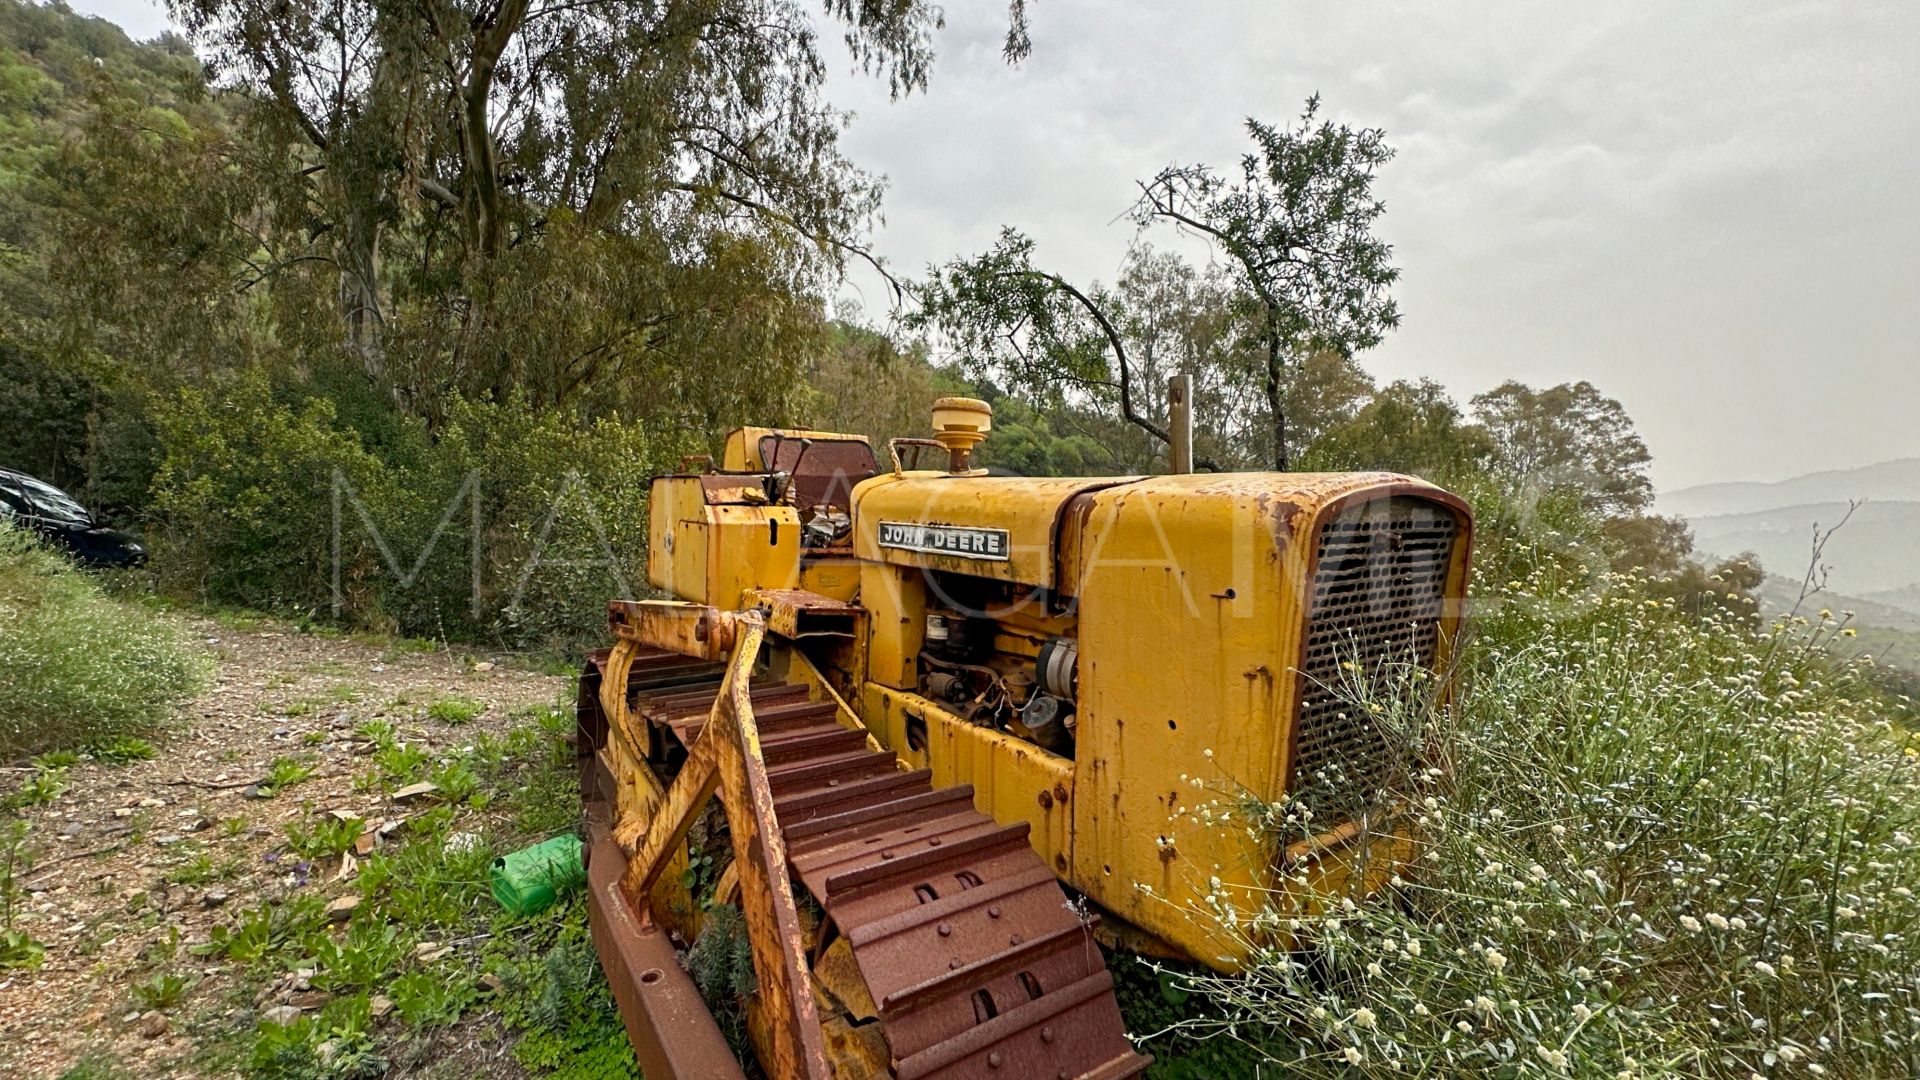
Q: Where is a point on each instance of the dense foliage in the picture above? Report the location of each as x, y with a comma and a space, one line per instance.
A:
385, 313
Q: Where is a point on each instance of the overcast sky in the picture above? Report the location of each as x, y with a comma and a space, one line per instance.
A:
1709, 209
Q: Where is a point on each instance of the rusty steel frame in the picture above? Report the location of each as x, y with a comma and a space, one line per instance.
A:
694, 630
726, 761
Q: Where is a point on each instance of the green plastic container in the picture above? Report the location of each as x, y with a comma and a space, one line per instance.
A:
528, 881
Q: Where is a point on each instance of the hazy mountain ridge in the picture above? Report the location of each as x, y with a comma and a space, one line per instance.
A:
1873, 561
1891, 481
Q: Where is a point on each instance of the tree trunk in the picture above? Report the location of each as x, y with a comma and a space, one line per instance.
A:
1276, 405
360, 292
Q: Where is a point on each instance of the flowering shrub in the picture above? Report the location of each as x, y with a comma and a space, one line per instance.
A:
76, 666
1647, 845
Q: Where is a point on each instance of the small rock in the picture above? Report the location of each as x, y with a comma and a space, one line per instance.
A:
281, 733
153, 1025
484, 665
213, 898
123, 811
389, 827
308, 1000
151, 803
363, 846
343, 815
415, 791
428, 951
167, 841
327, 1051
73, 829
302, 979
200, 824
491, 983
342, 908
284, 1015
380, 1006
257, 791
131, 1017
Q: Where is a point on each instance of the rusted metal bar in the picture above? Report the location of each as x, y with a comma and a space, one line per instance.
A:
796, 613
673, 1033
726, 760
696, 630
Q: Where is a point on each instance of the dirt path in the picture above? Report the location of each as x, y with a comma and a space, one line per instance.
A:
135, 864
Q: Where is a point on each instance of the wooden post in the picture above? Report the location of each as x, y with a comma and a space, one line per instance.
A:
1180, 422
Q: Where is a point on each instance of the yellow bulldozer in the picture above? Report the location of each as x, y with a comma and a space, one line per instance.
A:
929, 734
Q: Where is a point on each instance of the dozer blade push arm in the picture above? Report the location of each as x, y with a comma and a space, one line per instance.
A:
726, 761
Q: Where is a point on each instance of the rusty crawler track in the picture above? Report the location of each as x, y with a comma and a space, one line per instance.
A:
975, 964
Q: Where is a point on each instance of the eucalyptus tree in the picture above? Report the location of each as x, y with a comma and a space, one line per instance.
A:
1296, 228
1571, 438
539, 193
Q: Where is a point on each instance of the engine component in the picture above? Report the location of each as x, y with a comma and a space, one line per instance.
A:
944, 686
1048, 721
1059, 668
1019, 687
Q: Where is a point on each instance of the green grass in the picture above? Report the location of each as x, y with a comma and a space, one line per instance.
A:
122, 750
163, 990
76, 665
98, 1065
324, 837
38, 788
429, 883
455, 710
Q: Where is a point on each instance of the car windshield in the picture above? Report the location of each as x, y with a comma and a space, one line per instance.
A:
51, 502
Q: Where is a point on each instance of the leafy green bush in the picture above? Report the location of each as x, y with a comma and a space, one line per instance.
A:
283, 505
77, 667
1657, 846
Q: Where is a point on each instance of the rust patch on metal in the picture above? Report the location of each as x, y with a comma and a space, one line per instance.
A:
693, 630
672, 1032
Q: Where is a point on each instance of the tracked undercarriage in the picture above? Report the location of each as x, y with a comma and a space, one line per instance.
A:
936, 943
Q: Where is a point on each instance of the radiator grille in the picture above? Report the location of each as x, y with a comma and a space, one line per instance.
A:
1376, 600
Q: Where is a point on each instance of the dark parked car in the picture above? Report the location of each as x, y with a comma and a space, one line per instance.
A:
55, 515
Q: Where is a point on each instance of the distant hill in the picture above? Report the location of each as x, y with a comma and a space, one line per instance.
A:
1889, 481
1779, 595
1874, 559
